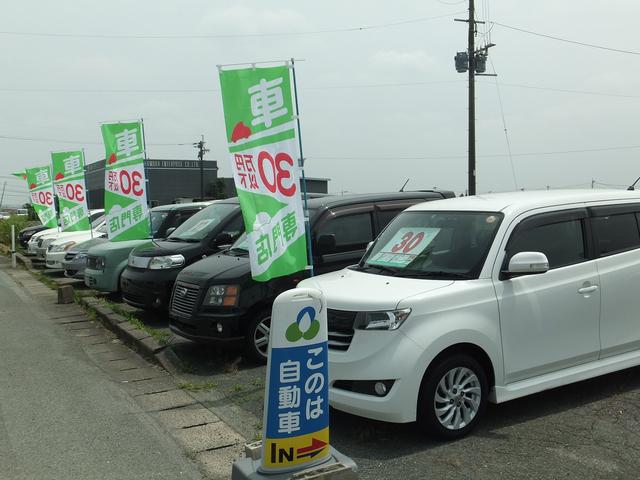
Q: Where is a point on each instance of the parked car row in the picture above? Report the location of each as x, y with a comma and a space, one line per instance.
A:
39, 242
434, 308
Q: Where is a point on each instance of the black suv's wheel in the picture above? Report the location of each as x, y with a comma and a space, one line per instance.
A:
453, 396
256, 340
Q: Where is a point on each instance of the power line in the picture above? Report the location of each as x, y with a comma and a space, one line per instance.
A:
566, 90
216, 90
418, 156
229, 35
574, 42
320, 87
504, 124
80, 142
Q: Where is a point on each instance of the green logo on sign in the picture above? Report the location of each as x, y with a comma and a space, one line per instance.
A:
295, 333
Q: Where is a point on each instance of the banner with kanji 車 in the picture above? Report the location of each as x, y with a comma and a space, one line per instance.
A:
125, 191
259, 118
69, 185
41, 194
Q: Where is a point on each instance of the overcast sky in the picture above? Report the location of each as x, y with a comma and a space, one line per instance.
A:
378, 105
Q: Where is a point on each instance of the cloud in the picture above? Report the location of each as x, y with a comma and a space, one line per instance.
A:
416, 60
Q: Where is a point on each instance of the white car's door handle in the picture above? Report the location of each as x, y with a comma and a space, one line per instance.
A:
585, 290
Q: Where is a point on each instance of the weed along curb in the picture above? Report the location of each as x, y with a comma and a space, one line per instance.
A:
149, 342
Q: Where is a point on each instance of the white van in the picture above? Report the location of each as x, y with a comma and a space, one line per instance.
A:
485, 298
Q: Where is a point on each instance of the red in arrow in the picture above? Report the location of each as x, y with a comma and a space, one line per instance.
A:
316, 444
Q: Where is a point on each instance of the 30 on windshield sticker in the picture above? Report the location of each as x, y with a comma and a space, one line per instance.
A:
404, 246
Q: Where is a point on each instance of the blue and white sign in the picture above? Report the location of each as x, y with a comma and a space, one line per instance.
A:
296, 412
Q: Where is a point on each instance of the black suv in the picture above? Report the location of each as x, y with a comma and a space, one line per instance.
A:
216, 299
147, 280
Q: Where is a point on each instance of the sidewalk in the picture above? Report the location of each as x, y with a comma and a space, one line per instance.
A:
77, 404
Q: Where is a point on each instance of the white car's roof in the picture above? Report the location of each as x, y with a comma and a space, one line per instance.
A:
517, 202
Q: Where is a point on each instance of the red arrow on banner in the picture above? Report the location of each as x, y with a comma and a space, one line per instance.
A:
312, 450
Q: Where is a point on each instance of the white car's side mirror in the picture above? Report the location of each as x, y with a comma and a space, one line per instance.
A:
527, 263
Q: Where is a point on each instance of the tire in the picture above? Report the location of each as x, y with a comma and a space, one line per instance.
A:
453, 397
256, 340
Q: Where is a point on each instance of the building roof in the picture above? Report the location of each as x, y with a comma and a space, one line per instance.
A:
517, 202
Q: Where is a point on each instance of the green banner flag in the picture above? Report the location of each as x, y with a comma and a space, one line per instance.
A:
259, 118
22, 175
41, 193
69, 185
125, 191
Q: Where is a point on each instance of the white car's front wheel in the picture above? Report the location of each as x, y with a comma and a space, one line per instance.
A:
453, 397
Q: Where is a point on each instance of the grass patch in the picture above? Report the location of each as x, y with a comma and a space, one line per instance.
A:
198, 387
46, 280
163, 338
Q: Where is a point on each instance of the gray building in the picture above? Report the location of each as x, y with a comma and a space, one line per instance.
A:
167, 180
314, 185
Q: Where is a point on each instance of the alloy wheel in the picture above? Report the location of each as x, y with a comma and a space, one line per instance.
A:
457, 398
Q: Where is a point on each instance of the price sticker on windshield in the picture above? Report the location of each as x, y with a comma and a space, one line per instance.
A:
404, 246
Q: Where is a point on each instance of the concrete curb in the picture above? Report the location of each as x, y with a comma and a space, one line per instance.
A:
138, 339
26, 261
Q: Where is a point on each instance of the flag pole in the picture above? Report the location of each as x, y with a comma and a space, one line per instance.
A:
307, 225
86, 190
53, 197
146, 174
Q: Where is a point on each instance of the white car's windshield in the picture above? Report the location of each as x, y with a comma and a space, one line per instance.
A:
433, 244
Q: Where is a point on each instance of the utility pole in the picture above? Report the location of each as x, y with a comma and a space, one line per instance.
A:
2, 197
201, 151
472, 99
475, 63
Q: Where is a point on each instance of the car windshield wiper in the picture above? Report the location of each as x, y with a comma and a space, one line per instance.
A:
241, 251
180, 239
381, 268
438, 273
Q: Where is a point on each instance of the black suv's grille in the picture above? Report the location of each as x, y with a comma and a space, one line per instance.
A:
184, 298
340, 324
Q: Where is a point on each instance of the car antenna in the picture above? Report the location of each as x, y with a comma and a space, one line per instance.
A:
405, 184
633, 185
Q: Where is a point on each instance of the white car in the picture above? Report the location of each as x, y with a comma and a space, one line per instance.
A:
57, 250
484, 298
39, 242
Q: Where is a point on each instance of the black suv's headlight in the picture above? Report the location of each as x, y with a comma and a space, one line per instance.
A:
222, 296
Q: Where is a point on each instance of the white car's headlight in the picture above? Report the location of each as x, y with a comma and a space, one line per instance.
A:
386, 320
167, 261
222, 296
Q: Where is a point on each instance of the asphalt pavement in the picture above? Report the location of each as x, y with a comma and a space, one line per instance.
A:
63, 417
